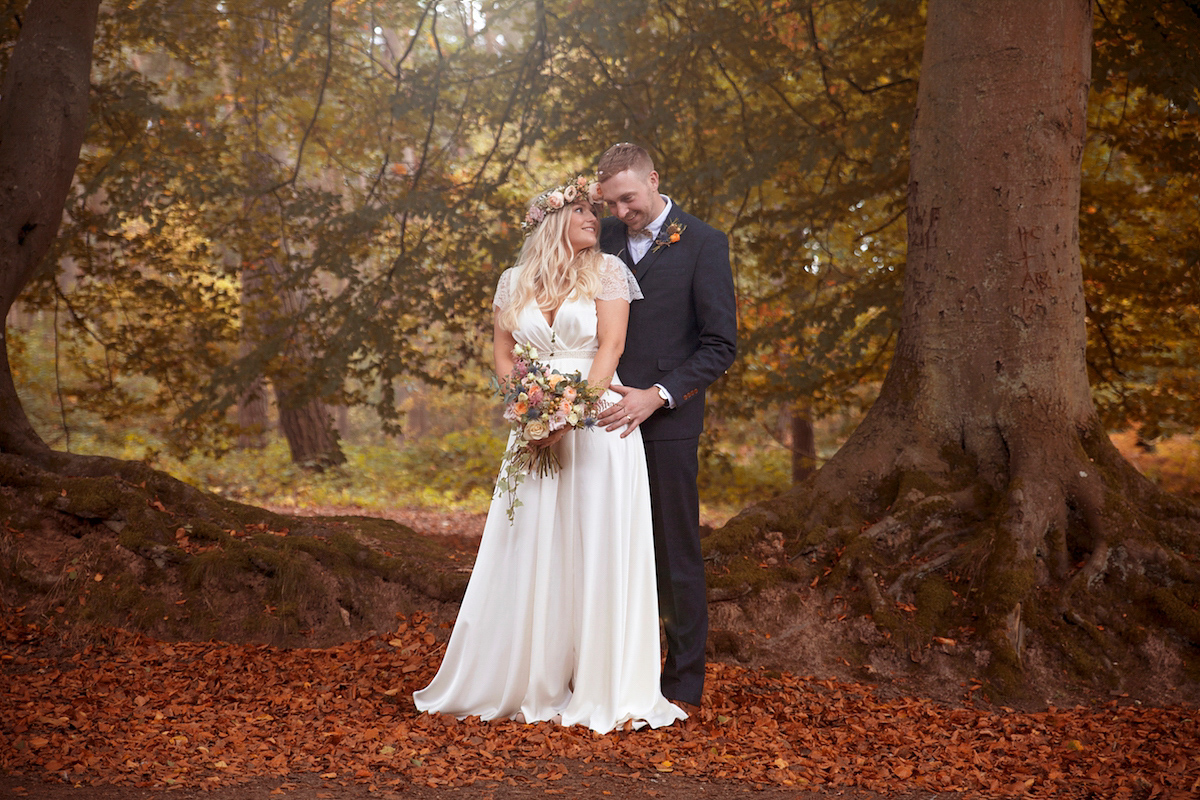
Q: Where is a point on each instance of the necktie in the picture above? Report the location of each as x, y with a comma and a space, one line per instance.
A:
644, 233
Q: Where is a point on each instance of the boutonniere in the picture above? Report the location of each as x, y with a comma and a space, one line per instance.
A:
668, 236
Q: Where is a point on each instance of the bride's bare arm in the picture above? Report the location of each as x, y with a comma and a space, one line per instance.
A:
612, 317
502, 347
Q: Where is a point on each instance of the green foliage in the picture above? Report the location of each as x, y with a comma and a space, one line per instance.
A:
455, 476
735, 483
304, 194
462, 464
1139, 217
456, 471
323, 195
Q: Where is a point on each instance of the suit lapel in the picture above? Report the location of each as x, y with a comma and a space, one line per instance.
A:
616, 243
648, 261
625, 256
642, 267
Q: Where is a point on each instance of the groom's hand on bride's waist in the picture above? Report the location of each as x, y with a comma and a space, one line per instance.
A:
634, 408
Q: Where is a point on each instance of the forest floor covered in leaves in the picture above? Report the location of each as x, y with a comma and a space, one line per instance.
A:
130, 717
102, 713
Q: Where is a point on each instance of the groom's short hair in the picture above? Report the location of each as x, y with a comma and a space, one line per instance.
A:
621, 157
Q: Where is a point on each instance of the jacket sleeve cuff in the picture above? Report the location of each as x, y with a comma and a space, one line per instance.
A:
662, 390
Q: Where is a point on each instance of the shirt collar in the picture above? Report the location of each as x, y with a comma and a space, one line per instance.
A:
656, 226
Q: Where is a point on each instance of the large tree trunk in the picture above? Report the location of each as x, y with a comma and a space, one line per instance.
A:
43, 120
980, 490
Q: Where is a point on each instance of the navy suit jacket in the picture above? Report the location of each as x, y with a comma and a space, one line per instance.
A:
683, 334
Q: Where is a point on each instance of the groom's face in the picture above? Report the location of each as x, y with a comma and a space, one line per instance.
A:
633, 198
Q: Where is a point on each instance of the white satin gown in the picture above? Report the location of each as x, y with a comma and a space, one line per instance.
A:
560, 617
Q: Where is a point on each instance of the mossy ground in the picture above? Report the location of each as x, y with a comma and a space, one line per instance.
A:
105, 551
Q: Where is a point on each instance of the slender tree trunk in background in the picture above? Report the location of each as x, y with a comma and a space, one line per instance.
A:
341, 421
252, 419
306, 422
804, 443
980, 489
43, 120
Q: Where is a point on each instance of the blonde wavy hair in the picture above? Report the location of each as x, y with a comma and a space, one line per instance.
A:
550, 271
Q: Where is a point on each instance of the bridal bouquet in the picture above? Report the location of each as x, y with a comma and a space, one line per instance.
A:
538, 401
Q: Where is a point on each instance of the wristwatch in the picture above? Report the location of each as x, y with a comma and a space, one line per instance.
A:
665, 396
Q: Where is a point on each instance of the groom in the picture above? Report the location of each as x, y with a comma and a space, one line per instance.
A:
681, 338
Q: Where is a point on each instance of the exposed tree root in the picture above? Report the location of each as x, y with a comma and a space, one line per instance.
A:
173, 560
1048, 568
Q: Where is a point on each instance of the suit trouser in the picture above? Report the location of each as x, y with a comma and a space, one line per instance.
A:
682, 597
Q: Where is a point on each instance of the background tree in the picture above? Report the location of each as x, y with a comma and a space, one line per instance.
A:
348, 167
818, 228
43, 98
981, 490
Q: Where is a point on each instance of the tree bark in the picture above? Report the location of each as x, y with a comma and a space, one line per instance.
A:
990, 356
804, 442
980, 489
252, 419
305, 421
311, 437
43, 120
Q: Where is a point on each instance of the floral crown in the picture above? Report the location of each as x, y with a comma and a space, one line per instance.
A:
558, 198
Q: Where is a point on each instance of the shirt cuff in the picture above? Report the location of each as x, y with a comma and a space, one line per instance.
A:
667, 392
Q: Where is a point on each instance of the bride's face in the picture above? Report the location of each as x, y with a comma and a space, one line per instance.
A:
581, 227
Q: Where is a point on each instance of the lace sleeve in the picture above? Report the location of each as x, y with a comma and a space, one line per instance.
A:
502, 295
617, 282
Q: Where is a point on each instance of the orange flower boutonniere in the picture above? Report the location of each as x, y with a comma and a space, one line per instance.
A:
668, 236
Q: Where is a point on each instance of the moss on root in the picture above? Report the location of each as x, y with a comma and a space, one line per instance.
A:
175, 560
935, 603
940, 560
1180, 613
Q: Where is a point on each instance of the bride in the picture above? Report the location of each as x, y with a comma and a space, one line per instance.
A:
560, 618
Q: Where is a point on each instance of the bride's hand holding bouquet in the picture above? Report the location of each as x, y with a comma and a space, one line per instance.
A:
542, 404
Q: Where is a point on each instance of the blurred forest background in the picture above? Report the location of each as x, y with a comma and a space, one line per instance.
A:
275, 271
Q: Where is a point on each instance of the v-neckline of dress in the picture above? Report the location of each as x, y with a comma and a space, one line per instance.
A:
554, 318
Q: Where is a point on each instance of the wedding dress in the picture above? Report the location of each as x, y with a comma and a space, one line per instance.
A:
560, 617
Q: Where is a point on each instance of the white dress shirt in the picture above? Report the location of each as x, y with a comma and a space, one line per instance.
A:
638, 247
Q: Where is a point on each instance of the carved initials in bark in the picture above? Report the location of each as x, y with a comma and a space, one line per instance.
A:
1035, 284
923, 224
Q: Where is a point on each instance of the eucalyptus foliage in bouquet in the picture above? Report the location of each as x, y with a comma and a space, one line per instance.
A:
538, 401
